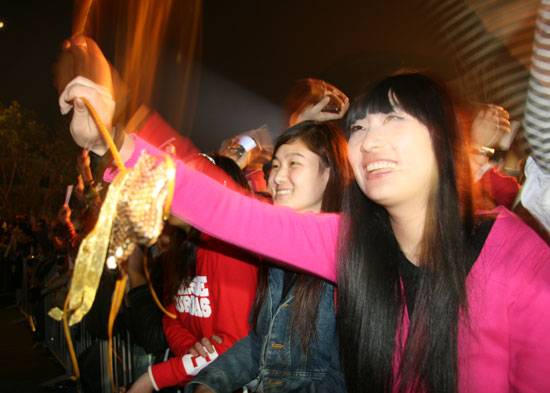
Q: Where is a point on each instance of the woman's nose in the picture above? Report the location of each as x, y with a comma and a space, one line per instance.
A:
373, 140
279, 175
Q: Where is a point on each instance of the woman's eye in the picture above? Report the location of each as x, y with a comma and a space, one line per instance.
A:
293, 163
391, 117
274, 166
357, 127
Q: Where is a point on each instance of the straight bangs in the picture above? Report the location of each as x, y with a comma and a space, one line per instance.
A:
431, 104
316, 137
328, 142
375, 101
408, 92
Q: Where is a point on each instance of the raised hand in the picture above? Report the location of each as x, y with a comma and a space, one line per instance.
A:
80, 56
491, 123
319, 112
83, 71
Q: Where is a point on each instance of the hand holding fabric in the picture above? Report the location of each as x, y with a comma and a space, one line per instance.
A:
84, 129
82, 63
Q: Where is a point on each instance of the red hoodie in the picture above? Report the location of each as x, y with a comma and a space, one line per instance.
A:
218, 301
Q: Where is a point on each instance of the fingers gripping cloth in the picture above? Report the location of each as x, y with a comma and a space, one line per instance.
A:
135, 207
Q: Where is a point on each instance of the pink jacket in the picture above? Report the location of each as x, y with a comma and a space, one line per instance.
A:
504, 347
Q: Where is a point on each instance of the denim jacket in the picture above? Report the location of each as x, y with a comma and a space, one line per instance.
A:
273, 355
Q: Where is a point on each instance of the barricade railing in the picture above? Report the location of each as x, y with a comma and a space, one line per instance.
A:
5, 272
129, 361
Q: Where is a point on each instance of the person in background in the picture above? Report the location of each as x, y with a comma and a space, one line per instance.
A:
210, 290
250, 150
490, 130
535, 195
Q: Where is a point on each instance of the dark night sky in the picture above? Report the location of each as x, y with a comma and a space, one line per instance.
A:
252, 52
29, 43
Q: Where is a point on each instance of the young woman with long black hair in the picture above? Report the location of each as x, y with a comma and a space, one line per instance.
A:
431, 298
292, 345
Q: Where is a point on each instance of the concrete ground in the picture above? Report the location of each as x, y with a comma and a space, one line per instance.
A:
26, 366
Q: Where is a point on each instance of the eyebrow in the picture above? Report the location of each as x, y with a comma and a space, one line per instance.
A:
276, 157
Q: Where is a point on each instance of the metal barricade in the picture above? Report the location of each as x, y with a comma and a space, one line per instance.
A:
129, 361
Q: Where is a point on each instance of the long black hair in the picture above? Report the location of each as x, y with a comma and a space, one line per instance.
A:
329, 143
371, 298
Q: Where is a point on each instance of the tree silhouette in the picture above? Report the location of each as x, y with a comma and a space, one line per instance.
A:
36, 164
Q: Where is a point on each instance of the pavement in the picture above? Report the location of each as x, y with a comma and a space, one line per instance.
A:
26, 365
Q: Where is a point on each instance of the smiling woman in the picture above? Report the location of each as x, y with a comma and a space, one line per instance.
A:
309, 169
409, 121
392, 159
292, 310
297, 179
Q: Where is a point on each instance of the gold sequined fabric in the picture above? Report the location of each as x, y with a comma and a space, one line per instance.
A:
133, 212
140, 208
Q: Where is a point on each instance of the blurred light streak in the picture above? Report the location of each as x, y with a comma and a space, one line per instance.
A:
491, 42
145, 34
80, 15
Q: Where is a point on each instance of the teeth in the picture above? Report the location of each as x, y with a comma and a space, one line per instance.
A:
380, 165
283, 192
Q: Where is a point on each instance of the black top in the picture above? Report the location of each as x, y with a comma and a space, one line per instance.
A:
410, 274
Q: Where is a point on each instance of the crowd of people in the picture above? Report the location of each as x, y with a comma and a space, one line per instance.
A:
376, 246
38, 251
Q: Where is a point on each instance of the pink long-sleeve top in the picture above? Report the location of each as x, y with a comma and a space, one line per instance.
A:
503, 347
